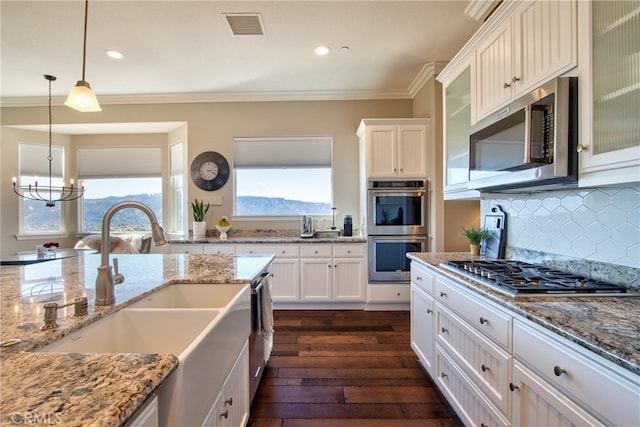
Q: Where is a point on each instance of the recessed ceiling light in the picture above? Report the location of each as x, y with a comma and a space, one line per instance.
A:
321, 50
115, 54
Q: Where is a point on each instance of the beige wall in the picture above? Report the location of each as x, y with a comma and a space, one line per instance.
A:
211, 126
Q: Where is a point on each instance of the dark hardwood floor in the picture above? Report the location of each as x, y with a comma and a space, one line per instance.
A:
346, 368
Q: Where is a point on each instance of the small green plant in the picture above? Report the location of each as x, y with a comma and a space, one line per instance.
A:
475, 236
199, 210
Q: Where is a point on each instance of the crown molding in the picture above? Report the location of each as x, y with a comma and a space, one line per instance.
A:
186, 98
430, 69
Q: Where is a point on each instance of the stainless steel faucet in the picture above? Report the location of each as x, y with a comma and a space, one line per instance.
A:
106, 280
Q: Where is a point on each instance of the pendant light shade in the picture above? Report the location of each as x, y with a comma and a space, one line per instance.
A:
81, 97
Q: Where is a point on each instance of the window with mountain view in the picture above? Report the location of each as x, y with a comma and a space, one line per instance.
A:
113, 175
282, 176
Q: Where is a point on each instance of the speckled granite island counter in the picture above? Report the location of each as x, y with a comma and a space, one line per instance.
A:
90, 389
608, 326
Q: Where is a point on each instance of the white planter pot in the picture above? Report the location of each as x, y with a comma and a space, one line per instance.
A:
199, 230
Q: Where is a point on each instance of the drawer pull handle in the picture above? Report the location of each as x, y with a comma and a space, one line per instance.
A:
483, 320
443, 294
224, 414
443, 375
485, 368
429, 311
484, 425
229, 401
445, 330
506, 86
513, 387
557, 370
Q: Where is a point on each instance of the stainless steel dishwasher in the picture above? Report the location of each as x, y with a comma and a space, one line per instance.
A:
261, 338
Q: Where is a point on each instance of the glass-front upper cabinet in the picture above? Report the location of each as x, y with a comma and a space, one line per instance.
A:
457, 104
613, 101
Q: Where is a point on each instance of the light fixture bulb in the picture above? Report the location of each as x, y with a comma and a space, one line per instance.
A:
321, 50
82, 98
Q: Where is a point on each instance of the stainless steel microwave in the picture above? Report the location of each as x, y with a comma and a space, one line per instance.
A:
529, 144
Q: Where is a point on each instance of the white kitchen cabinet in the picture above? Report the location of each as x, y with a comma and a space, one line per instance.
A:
187, 248
537, 403
530, 42
395, 148
609, 47
222, 249
456, 88
147, 416
285, 269
423, 327
332, 273
231, 408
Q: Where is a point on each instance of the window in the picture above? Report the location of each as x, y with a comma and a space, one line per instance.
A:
37, 217
282, 176
113, 175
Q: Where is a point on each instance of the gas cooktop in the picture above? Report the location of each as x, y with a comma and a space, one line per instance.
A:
521, 279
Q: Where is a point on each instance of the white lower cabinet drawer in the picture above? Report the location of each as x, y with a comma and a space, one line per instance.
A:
400, 293
536, 403
344, 250
283, 251
488, 366
470, 405
488, 319
316, 250
603, 388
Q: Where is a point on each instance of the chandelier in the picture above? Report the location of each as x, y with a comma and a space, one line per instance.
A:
50, 195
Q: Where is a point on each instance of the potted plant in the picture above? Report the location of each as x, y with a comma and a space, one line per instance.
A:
199, 224
475, 237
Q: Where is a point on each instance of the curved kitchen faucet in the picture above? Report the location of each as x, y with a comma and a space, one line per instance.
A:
106, 280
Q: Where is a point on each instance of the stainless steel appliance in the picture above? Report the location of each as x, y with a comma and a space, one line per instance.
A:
397, 223
521, 279
261, 338
530, 143
388, 260
397, 207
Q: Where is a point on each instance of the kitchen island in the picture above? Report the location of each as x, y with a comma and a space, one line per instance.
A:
90, 389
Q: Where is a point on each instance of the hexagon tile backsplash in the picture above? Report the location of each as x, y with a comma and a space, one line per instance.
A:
600, 224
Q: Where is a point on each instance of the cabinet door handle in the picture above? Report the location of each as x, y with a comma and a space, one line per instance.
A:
224, 414
485, 368
443, 375
515, 79
483, 321
418, 278
429, 311
513, 387
506, 85
229, 401
581, 147
557, 370
443, 294
444, 330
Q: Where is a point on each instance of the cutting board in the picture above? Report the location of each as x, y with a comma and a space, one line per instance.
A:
495, 221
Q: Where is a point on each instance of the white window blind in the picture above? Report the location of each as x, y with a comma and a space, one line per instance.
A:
119, 162
33, 160
303, 152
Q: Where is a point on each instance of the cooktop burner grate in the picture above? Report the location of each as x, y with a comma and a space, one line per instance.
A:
518, 278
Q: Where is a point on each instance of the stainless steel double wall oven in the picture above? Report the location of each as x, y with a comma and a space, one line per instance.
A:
397, 223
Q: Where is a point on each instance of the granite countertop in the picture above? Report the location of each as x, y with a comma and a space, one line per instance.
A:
90, 389
272, 240
607, 326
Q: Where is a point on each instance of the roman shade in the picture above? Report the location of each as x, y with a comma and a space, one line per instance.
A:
293, 152
119, 162
33, 160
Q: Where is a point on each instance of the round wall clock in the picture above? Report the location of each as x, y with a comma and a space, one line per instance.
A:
209, 170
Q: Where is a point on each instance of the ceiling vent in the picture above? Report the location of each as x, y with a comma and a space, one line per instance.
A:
245, 24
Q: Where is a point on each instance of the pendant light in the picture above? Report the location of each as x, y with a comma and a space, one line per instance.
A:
81, 97
46, 194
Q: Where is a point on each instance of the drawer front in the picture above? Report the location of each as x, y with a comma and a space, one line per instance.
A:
466, 399
345, 251
422, 277
582, 375
281, 251
490, 320
219, 249
487, 365
316, 250
186, 249
389, 293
